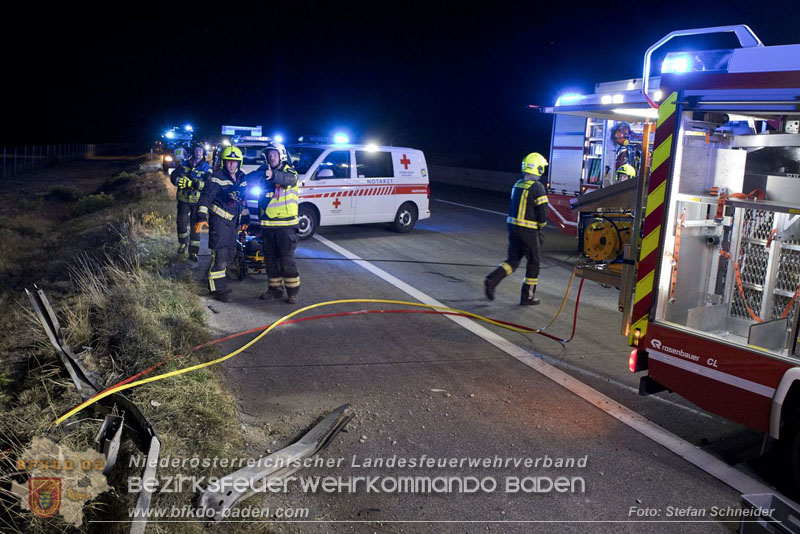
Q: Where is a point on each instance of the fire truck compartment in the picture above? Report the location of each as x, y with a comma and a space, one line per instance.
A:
731, 238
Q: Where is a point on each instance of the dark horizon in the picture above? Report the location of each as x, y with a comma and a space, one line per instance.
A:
452, 81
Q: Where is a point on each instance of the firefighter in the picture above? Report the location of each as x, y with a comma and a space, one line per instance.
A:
277, 212
527, 216
625, 172
221, 205
190, 177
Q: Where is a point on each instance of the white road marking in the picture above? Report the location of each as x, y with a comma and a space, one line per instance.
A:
689, 452
471, 207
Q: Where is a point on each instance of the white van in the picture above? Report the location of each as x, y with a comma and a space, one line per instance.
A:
354, 184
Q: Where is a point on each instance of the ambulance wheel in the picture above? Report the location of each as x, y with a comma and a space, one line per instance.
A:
406, 218
307, 221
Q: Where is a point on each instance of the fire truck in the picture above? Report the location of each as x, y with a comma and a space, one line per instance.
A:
706, 240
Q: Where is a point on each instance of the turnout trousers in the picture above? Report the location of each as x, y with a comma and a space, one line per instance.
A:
222, 242
187, 217
522, 243
279, 246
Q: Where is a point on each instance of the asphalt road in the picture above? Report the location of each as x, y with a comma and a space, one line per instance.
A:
423, 385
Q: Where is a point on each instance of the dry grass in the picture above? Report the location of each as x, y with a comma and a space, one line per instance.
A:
121, 303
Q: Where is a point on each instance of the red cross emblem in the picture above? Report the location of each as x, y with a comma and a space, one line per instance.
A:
336, 204
405, 161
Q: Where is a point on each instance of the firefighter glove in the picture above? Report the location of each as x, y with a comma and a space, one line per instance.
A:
198, 226
184, 182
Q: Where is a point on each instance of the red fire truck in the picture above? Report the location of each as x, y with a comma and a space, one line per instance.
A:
709, 288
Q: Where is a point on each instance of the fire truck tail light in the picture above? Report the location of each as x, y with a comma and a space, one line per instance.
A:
632, 361
638, 361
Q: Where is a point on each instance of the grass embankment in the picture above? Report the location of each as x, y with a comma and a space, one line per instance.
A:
102, 249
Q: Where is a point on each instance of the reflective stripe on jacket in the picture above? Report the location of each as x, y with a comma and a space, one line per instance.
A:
529, 205
278, 205
223, 195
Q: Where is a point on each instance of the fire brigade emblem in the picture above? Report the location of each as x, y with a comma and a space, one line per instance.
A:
44, 496
656, 343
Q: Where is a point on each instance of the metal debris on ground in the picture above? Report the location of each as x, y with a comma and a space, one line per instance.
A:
120, 413
274, 467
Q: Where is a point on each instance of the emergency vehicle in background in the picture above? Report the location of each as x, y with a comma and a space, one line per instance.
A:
175, 140
710, 282
342, 183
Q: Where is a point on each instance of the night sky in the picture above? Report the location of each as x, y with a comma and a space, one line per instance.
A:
452, 80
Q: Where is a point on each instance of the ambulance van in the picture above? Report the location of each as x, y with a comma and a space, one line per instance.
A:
357, 184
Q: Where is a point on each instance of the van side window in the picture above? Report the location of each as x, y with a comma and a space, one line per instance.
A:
374, 164
335, 165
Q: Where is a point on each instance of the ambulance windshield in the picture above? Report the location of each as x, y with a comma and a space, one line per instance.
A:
303, 157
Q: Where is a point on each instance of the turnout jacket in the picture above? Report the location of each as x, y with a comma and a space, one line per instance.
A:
277, 205
223, 195
198, 172
529, 205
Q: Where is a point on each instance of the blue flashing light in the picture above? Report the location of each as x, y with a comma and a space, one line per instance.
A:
340, 138
677, 63
170, 135
188, 127
569, 98
254, 191
278, 138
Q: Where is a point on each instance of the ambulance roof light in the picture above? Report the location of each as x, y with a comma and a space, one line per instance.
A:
371, 147
340, 138
278, 138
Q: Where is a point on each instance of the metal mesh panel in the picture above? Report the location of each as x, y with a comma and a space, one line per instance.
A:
753, 299
757, 224
753, 260
788, 278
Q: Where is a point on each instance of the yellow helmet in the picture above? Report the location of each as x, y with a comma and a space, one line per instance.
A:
232, 153
627, 169
534, 163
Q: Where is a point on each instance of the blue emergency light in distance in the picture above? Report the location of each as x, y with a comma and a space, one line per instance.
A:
188, 127
170, 135
341, 138
278, 138
254, 191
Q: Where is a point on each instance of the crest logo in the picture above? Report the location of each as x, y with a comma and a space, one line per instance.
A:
656, 343
44, 495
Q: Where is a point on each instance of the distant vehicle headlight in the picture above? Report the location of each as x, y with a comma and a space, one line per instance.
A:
167, 158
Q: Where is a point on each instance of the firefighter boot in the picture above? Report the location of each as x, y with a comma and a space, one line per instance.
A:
291, 294
526, 295
272, 293
182, 249
222, 295
193, 257
492, 280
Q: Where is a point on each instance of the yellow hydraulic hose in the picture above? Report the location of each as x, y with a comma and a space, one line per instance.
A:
255, 340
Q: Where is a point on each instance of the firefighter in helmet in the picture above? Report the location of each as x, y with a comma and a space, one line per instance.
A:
277, 213
625, 172
222, 205
190, 176
527, 217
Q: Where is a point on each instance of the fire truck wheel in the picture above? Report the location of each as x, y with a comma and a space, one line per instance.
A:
405, 218
308, 220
